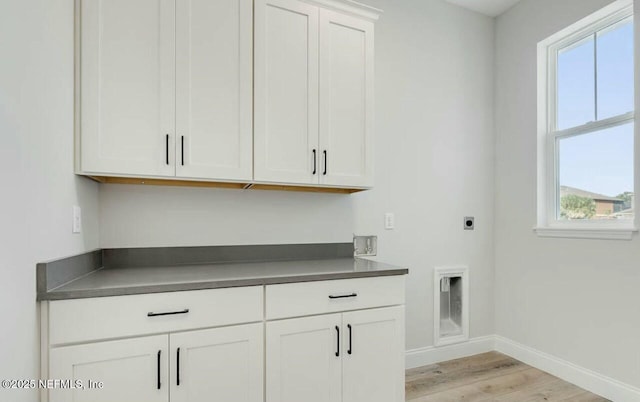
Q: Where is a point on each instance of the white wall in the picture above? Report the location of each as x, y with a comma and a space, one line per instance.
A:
36, 164
434, 164
574, 299
140, 216
434, 140
434, 154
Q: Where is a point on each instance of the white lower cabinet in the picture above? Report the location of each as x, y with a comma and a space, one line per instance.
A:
222, 364
304, 360
130, 369
324, 341
373, 365
351, 357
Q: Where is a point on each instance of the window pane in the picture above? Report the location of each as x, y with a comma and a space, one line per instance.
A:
615, 70
576, 84
596, 175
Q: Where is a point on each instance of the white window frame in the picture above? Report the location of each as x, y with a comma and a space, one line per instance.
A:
548, 225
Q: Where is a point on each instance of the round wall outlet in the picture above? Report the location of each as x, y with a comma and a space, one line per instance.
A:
469, 223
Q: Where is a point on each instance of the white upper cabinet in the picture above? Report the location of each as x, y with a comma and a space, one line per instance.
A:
346, 99
246, 91
286, 92
313, 95
166, 88
127, 89
214, 87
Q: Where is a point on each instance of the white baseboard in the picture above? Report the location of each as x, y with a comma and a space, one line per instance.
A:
584, 378
580, 376
435, 354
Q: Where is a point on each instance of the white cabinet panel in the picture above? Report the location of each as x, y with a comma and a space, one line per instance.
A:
83, 320
223, 364
127, 95
373, 362
324, 297
346, 99
350, 357
214, 89
178, 88
286, 91
353, 356
313, 95
302, 361
128, 368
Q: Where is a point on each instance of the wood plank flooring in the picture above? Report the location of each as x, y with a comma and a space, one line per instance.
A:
489, 377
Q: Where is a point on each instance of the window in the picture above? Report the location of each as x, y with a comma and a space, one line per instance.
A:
586, 127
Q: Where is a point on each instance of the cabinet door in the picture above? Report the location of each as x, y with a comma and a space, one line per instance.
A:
222, 364
346, 100
131, 370
286, 92
302, 360
214, 89
127, 95
373, 363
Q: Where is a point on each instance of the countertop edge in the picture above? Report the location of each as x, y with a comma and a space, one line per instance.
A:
220, 284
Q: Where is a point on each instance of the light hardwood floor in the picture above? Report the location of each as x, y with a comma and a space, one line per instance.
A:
489, 377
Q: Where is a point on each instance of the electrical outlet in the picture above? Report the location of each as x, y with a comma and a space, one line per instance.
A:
389, 221
77, 219
469, 223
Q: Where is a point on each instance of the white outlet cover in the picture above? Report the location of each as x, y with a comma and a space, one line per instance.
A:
389, 221
77, 219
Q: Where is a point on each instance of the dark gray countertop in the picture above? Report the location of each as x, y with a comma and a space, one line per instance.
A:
156, 279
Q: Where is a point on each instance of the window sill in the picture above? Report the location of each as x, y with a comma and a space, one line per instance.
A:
587, 233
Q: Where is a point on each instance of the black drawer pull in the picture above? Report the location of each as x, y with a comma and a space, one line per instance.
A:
178, 367
325, 163
182, 149
343, 296
315, 163
159, 384
152, 314
166, 148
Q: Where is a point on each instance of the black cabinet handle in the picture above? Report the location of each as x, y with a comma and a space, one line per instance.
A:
159, 384
350, 341
178, 367
166, 148
152, 314
182, 148
325, 163
315, 163
343, 296
338, 338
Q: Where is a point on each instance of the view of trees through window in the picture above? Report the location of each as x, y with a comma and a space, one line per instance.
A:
595, 83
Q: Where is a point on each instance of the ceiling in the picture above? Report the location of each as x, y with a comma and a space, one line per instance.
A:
492, 8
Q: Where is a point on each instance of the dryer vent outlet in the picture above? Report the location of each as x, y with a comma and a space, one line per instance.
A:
451, 305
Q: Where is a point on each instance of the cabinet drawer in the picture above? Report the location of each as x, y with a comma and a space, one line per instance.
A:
300, 299
82, 320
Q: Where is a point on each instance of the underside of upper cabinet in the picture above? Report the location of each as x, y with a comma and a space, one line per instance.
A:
260, 94
214, 184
